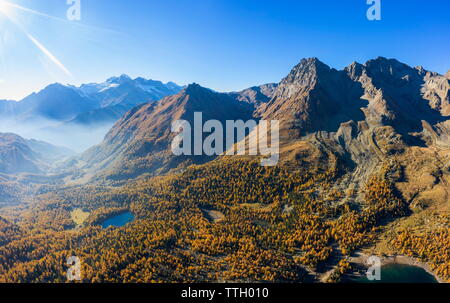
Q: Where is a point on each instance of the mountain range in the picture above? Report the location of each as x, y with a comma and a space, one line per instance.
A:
382, 99
345, 110
59, 111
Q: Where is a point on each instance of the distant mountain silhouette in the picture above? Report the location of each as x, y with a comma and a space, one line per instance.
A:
61, 111
18, 155
64, 103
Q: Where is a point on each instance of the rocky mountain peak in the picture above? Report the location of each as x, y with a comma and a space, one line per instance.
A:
121, 79
195, 88
392, 72
307, 70
354, 70
197, 97
304, 77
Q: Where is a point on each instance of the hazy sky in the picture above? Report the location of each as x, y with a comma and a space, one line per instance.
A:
222, 44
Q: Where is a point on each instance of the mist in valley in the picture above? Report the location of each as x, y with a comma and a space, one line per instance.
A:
77, 138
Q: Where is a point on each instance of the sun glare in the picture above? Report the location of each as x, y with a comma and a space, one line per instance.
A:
5, 8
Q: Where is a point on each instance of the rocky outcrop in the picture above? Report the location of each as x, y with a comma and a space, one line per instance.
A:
315, 97
436, 91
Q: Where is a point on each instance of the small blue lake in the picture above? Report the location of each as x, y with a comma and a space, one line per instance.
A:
400, 273
118, 220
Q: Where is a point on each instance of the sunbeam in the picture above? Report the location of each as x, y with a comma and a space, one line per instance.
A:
40, 46
48, 54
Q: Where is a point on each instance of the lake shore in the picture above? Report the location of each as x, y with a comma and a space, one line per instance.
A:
118, 219
361, 260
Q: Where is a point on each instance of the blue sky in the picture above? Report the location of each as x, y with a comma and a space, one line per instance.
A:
222, 44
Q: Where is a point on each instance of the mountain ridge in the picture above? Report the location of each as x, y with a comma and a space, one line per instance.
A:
317, 101
59, 111
146, 129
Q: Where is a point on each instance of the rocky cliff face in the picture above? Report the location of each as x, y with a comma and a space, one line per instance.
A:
436, 91
366, 115
381, 92
314, 97
399, 95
